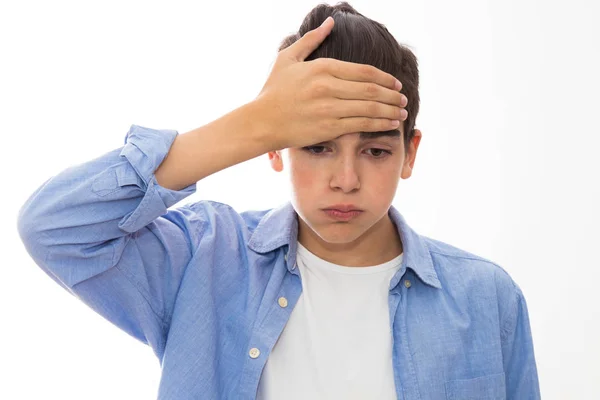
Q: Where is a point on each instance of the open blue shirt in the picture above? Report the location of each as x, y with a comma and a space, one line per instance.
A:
200, 284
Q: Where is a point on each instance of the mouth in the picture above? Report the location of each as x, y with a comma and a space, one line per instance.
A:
343, 208
342, 215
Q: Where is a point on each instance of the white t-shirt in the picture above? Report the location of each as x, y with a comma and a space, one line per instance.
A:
337, 343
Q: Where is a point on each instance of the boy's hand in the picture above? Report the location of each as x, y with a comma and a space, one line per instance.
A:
308, 102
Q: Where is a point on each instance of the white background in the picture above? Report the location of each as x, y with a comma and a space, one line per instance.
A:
507, 168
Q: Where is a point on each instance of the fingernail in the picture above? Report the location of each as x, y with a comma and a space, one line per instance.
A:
398, 85
325, 21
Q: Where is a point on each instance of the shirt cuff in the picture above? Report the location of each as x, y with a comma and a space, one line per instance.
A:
145, 149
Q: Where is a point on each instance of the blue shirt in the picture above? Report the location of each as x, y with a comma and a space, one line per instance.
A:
200, 284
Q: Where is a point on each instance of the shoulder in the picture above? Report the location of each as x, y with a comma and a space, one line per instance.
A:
463, 272
214, 213
451, 260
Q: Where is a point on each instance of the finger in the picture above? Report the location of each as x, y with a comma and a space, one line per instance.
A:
308, 43
371, 109
361, 124
362, 73
351, 90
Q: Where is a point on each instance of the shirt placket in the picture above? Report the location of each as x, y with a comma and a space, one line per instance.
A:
404, 372
265, 336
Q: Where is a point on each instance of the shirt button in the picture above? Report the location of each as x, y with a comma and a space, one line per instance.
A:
282, 302
254, 352
407, 283
285, 257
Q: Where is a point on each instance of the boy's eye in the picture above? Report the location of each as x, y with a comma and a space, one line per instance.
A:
375, 152
311, 148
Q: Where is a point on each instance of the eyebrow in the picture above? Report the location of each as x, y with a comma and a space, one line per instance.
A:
395, 133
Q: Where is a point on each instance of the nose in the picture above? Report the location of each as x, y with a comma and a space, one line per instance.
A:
345, 175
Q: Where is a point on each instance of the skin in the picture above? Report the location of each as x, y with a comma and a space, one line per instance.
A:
347, 170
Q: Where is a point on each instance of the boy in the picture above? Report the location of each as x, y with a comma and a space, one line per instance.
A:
330, 296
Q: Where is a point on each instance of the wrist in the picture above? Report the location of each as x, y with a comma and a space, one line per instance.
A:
260, 127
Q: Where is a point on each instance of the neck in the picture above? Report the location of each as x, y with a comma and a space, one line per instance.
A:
381, 243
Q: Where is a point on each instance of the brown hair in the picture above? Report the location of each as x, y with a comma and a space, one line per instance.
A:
358, 39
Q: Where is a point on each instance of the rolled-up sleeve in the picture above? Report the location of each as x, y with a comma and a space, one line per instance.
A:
518, 351
102, 230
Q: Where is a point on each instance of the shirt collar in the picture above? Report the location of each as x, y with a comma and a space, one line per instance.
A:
279, 227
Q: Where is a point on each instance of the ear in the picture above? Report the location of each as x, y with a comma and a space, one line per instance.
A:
276, 160
411, 155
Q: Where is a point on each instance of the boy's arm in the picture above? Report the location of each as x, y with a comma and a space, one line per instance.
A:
238, 136
518, 352
102, 231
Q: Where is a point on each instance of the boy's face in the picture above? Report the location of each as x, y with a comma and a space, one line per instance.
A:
347, 170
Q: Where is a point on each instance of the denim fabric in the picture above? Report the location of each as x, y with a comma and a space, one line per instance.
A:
200, 284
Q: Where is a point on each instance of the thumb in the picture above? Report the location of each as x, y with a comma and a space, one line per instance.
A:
311, 40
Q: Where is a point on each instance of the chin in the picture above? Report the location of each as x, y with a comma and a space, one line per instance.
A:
339, 233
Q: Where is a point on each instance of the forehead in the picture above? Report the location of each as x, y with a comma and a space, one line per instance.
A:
392, 134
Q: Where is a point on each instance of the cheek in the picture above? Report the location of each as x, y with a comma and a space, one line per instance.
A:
303, 172
302, 178
385, 181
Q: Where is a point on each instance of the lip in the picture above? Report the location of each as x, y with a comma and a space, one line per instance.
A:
343, 207
342, 216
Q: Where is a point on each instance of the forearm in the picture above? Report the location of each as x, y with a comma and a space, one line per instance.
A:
229, 140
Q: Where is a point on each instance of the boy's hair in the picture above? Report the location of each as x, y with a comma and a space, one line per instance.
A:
358, 39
